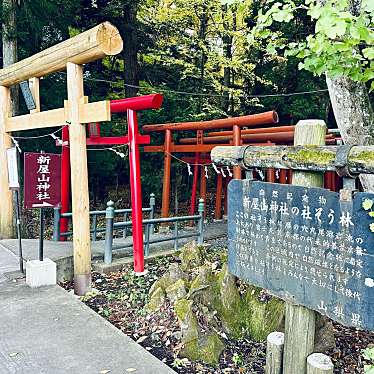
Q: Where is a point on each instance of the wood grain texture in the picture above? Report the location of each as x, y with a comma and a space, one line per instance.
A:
88, 112
79, 182
305, 158
274, 353
6, 205
319, 363
300, 321
88, 46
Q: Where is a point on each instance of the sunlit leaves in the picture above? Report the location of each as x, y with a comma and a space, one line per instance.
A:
367, 204
342, 44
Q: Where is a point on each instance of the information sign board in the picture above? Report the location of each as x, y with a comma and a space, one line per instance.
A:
306, 246
42, 180
12, 168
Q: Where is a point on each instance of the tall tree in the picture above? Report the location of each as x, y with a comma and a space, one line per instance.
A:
342, 48
352, 108
131, 47
10, 50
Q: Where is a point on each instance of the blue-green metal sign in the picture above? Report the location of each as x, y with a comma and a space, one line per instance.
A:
306, 246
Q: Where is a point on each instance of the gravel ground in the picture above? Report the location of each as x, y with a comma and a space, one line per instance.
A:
120, 297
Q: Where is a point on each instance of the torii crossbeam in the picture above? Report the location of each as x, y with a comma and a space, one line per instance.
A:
91, 45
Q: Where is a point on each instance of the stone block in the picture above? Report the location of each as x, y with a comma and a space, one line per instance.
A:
40, 273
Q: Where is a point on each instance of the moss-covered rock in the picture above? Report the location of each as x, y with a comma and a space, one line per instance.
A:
176, 273
265, 316
192, 256
201, 282
207, 348
164, 282
240, 315
156, 300
187, 319
168, 279
196, 284
176, 291
197, 345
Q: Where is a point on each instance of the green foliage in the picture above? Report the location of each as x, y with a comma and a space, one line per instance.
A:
368, 354
340, 44
194, 46
367, 204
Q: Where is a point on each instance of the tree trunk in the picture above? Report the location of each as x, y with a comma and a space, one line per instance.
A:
352, 109
227, 50
202, 36
10, 55
130, 49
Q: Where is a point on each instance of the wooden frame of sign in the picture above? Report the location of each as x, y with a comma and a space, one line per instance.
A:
91, 45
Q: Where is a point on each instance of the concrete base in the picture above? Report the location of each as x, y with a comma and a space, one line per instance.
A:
40, 273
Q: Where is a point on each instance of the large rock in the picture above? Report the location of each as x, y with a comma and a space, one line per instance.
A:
241, 316
187, 319
169, 278
176, 291
197, 345
192, 256
156, 300
265, 316
324, 338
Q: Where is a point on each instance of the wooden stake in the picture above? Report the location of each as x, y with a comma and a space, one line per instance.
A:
274, 353
6, 204
167, 171
300, 321
79, 183
318, 363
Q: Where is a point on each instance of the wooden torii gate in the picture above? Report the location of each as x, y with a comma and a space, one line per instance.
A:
91, 45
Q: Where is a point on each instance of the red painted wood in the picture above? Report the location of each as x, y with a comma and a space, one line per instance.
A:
65, 181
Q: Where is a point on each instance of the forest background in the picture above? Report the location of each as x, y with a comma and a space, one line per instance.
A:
195, 52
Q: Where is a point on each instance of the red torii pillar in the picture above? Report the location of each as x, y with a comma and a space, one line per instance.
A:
133, 139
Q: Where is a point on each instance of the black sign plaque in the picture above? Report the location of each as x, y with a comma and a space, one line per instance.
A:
306, 246
27, 95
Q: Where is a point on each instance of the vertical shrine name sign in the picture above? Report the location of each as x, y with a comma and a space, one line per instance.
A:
306, 246
42, 176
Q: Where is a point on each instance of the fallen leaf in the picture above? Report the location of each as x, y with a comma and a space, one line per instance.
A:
142, 338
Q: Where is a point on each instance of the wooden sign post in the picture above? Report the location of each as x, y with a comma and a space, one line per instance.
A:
91, 45
300, 321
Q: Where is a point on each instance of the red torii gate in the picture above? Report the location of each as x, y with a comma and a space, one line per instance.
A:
255, 129
133, 139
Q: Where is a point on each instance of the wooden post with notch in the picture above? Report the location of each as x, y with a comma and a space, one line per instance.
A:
300, 321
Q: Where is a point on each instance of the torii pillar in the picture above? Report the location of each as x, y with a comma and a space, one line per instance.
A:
91, 45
